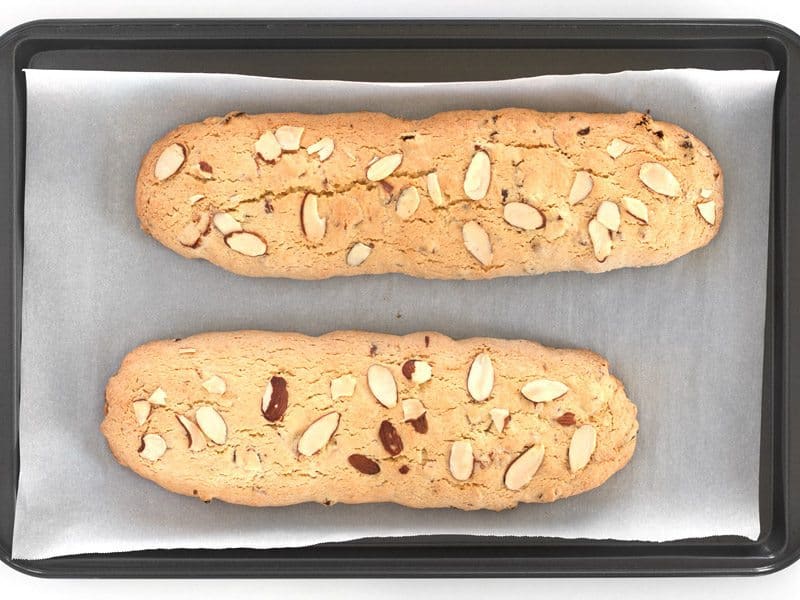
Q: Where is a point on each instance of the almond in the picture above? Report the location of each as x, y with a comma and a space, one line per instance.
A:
289, 137
521, 471
343, 387
358, 253
480, 380
434, 190
659, 179
226, 224
477, 242
523, 216
581, 187
705, 193
601, 240
246, 243
141, 410
323, 148
195, 199
412, 409
153, 447
417, 371
608, 215
500, 418
365, 465
478, 176
582, 446
636, 208
383, 167
708, 210
275, 399
169, 161
158, 397
313, 225
461, 460
391, 440
543, 390
267, 146
567, 419
407, 203
382, 385
191, 234
196, 440
215, 385
211, 424
318, 434
187, 350
617, 148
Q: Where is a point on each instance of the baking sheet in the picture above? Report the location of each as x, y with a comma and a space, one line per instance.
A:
686, 338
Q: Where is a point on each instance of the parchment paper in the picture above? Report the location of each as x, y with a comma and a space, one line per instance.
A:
686, 338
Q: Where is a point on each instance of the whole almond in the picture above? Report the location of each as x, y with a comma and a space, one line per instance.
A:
246, 243
215, 385
636, 208
169, 161
323, 148
226, 224
659, 179
383, 167
608, 215
357, 254
617, 148
407, 203
141, 410
708, 210
318, 434
158, 397
601, 240
581, 447
522, 215
478, 176
197, 441
581, 187
417, 371
461, 460
521, 471
412, 409
434, 190
480, 380
153, 447
477, 242
275, 399
343, 387
363, 464
499, 418
268, 147
382, 385
289, 137
391, 440
313, 225
211, 424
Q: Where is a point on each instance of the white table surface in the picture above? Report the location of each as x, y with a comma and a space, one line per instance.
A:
14, 584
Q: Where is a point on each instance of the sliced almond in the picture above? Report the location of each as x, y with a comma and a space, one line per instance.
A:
382, 385
318, 434
313, 225
323, 148
478, 176
141, 410
247, 459
343, 387
544, 390
190, 235
521, 471
383, 167
461, 460
195, 199
601, 240
246, 243
659, 179
617, 147
289, 137
212, 424
215, 385
417, 371
226, 224
608, 215
197, 441
581, 447
358, 253
407, 203
636, 208
477, 242
523, 216
708, 210
706, 193
480, 380
412, 409
153, 447
499, 418
268, 147
434, 190
275, 399
169, 161
580, 187
158, 397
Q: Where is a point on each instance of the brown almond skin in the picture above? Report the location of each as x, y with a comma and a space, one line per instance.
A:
278, 401
408, 369
420, 424
390, 439
566, 419
205, 167
363, 464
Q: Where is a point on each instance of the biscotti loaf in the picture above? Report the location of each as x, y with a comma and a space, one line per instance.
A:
273, 419
459, 195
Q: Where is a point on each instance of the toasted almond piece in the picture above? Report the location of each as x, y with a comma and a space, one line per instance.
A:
246, 243
195, 199
417, 371
581, 447
226, 224
523, 216
212, 424
581, 187
313, 225
289, 137
499, 417
318, 434
706, 193
407, 203
659, 179
617, 148
480, 380
215, 385
169, 161
382, 385
608, 215
383, 167
357, 254
343, 387
601, 240
708, 210
477, 242
544, 390
461, 460
412, 409
141, 409
197, 441
247, 459
268, 147
434, 190
521, 471
158, 397
153, 447
323, 148
275, 399
636, 208
478, 176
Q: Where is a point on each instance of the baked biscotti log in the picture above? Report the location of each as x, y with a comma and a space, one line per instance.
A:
273, 419
460, 195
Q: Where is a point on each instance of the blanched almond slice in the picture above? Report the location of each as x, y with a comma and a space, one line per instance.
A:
289, 137
407, 203
195, 199
461, 460
343, 387
417, 371
215, 385
434, 190
636, 208
247, 459
246, 243
323, 148
212, 424
582, 446
197, 441
478, 176
608, 215
601, 240
383, 167
382, 385
523, 216
313, 225
412, 409
499, 417
141, 410
268, 147
580, 187
543, 390
318, 434
617, 148
357, 254
477, 242
153, 448
706, 193
659, 179
169, 161
708, 210
480, 380
158, 397
521, 471
226, 224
